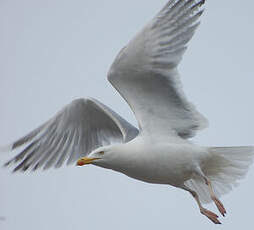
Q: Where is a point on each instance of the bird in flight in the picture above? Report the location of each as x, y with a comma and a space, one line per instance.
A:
159, 150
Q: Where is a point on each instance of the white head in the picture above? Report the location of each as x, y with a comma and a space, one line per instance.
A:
103, 156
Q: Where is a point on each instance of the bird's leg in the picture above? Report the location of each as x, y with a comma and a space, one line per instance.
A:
217, 202
212, 216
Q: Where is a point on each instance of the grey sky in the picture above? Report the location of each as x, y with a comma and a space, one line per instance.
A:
53, 51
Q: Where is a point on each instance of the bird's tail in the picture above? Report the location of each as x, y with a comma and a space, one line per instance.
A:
225, 167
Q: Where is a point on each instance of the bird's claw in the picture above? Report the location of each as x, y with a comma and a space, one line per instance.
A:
212, 216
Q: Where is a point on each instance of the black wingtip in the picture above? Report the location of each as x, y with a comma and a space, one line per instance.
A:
7, 163
198, 4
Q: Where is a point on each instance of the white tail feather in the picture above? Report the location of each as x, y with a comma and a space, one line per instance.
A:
225, 167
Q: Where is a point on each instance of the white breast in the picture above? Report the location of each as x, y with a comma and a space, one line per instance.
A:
159, 162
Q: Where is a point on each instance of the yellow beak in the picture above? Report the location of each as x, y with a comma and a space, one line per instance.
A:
86, 161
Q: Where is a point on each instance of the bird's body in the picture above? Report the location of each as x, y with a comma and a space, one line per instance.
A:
155, 161
159, 151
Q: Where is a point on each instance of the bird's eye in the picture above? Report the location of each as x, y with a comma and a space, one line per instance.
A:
101, 152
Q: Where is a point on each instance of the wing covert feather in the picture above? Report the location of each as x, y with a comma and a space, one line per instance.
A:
145, 72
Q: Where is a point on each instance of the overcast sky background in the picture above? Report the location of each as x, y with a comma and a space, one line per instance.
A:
54, 51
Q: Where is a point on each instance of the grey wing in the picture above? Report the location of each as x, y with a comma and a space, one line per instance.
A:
75, 131
145, 72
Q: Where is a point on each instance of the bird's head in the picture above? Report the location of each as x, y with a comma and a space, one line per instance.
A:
111, 157
98, 156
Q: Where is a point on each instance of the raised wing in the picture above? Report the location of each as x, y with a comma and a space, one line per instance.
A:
75, 131
145, 72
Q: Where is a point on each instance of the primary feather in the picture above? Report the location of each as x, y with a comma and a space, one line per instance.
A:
75, 131
145, 72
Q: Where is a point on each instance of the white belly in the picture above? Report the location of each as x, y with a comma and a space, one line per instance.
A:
161, 163
171, 170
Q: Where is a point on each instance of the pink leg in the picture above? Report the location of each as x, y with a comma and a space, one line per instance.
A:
217, 202
212, 216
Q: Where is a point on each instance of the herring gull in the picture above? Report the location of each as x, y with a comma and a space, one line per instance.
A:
159, 151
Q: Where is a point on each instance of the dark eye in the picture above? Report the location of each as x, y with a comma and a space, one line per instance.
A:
101, 152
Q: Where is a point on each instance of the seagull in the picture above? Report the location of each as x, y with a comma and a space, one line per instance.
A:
159, 151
